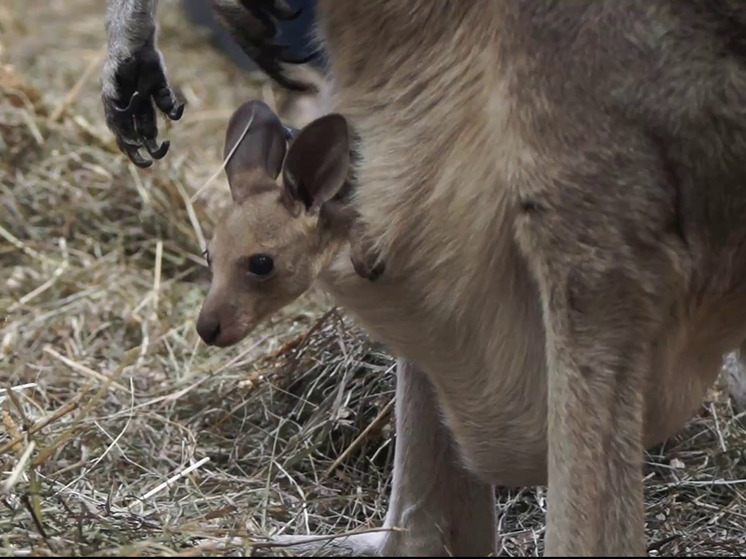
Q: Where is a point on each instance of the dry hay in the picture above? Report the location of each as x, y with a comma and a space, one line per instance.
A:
109, 393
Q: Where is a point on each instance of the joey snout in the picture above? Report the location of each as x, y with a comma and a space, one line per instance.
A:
208, 327
217, 324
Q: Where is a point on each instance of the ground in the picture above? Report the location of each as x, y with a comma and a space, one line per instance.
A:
107, 392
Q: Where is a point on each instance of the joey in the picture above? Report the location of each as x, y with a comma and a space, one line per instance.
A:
278, 235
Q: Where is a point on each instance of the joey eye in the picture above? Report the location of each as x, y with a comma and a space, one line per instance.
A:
261, 265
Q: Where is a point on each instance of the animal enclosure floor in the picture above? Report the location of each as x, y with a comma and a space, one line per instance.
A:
122, 434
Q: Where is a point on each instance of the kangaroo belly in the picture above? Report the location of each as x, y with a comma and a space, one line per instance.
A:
486, 363
490, 374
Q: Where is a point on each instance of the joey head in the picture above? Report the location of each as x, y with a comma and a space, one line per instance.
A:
278, 235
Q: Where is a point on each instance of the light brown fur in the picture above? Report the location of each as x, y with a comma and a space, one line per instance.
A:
290, 206
564, 240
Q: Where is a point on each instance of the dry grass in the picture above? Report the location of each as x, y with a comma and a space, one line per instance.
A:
107, 393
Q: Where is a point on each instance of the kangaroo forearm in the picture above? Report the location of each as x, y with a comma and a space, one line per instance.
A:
130, 24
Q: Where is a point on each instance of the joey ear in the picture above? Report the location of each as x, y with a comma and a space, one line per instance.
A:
318, 161
262, 148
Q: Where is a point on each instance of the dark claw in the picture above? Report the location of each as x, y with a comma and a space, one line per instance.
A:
166, 101
157, 152
132, 142
290, 132
371, 273
134, 155
130, 108
138, 159
362, 267
377, 272
176, 112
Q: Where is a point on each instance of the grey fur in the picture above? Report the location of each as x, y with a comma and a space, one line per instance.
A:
134, 82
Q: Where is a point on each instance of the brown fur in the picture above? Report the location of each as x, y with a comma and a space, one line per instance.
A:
558, 190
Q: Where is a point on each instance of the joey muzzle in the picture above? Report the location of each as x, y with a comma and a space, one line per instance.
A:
217, 325
208, 328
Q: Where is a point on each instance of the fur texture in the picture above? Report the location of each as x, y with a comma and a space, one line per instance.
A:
560, 210
558, 192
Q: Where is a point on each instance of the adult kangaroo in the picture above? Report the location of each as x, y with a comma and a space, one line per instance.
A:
558, 190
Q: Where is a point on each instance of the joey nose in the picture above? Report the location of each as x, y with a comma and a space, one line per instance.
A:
208, 329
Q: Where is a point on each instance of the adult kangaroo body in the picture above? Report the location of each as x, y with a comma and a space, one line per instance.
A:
558, 190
